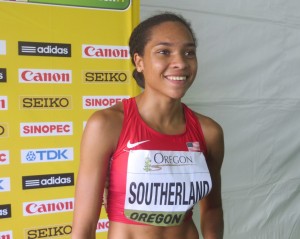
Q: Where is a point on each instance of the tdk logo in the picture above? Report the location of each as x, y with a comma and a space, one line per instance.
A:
2, 75
47, 181
44, 49
5, 211
4, 185
2, 47
46, 155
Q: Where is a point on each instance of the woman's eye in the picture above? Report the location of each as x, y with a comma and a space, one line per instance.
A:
164, 52
190, 53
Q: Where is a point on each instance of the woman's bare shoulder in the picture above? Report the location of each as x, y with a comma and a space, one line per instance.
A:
107, 118
212, 131
105, 125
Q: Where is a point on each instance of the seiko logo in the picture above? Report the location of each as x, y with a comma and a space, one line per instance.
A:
3, 130
3, 103
101, 102
4, 184
44, 49
38, 76
45, 102
2, 47
5, 211
46, 129
6, 235
47, 207
4, 157
52, 231
2, 75
105, 77
47, 155
100, 51
49, 180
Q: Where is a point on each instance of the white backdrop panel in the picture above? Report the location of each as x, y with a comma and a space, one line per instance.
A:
249, 81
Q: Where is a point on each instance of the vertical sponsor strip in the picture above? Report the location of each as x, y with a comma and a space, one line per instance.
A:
51, 80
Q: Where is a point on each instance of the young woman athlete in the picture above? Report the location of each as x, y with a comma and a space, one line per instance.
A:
155, 156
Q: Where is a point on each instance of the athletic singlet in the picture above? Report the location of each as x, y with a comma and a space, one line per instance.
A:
156, 178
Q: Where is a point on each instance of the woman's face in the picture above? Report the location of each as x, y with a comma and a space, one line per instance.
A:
169, 63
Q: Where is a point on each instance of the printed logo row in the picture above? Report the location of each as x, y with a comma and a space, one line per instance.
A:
64, 50
63, 76
61, 102
51, 231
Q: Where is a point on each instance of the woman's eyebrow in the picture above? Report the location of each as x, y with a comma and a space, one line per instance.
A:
188, 44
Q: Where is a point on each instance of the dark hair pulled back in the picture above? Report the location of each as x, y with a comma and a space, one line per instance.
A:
142, 34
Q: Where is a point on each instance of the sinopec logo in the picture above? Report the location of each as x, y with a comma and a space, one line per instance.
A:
46, 102
44, 49
102, 51
3, 77
4, 185
46, 129
4, 157
101, 102
2, 47
45, 76
48, 206
5, 211
50, 231
47, 181
102, 225
106, 77
47, 155
3, 130
3, 103
6, 235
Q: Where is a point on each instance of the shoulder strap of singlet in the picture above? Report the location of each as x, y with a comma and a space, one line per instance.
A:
194, 125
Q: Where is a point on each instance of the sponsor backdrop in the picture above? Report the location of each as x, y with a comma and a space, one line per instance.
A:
59, 62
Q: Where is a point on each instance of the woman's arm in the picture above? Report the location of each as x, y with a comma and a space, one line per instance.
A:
211, 211
97, 145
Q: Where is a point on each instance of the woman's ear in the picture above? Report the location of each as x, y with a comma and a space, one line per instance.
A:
138, 61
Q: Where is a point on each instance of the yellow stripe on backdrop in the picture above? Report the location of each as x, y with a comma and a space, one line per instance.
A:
58, 64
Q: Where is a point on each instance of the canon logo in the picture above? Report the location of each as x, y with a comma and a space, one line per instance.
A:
49, 180
105, 77
44, 49
100, 51
46, 129
38, 76
4, 157
47, 207
101, 102
49, 232
45, 102
2, 75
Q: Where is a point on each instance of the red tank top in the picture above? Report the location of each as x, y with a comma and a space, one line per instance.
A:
156, 178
